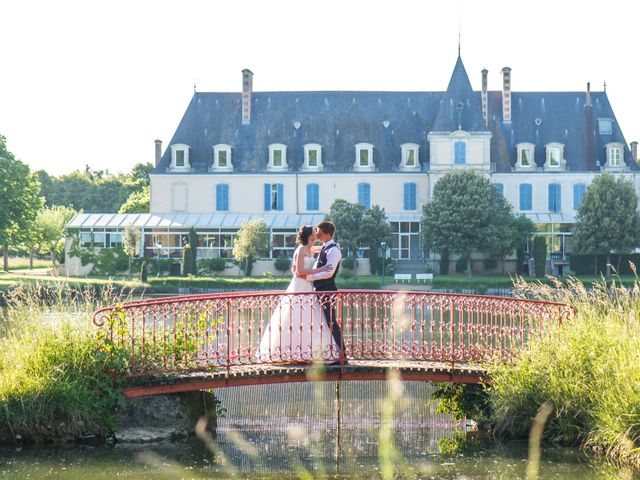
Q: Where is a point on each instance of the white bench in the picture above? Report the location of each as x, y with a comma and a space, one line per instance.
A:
401, 277
426, 277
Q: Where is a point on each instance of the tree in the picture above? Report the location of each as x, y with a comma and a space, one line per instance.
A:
49, 229
467, 214
140, 173
138, 202
251, 242
539, 255
20, 201
374, 229
607, 218
522, 228
346, 216
130, 241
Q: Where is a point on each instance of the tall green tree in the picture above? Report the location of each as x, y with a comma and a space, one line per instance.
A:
20, 201
251, 242
346, 216
374, 229
467, 214
607, 218
138, 202
50, 228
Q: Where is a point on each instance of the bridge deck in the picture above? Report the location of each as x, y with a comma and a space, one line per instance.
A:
283, 373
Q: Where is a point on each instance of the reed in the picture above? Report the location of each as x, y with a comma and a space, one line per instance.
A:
587, 368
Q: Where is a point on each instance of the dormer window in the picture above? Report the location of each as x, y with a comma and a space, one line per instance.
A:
312, 157
180, 157
277, 157
364, 157
222, 158
526, 159
554, 156
410, 157
615, 158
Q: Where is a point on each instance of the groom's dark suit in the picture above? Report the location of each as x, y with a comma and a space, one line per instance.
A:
329, 285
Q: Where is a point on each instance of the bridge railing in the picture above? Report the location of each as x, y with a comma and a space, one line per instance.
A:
224, 330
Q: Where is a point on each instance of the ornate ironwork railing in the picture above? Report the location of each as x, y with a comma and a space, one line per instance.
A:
224, 330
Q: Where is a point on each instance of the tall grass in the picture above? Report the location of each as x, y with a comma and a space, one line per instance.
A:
587, 368
53, 381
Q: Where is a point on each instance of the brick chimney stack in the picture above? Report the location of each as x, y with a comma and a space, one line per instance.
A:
158, 152
506, 95
485, 98
634, 151
247, 90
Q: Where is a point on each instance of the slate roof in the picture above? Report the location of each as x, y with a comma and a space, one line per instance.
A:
340, 120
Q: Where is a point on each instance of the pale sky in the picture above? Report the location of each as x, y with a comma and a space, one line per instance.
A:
96, 82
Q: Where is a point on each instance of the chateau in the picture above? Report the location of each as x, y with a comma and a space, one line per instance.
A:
286, 156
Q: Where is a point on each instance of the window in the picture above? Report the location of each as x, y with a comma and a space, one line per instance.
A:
614, 157
459, 153
554, 197
312, 157
180, 157
410, 157
410, 196
605, 126
555, 156
277, 157
364, 195
222, 197
364, 157
500, 188
313, 196
525, 197
578, 194
283, 242
526, 159
273, 196
216, 243
222, 158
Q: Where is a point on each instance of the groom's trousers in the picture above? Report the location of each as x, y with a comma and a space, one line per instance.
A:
329, 311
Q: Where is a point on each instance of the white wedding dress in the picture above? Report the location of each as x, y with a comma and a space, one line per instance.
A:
297, 330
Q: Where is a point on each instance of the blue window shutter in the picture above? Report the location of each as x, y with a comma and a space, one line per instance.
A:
313, 200
578, 194
280, 199
525, 196
364, 195
460, 153
499, 188
225, 197
554, 197
409, 196
218, 196
267, 197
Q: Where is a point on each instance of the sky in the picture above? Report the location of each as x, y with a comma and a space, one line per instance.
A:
95, 82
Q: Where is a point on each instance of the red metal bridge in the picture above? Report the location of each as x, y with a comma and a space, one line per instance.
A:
187, 343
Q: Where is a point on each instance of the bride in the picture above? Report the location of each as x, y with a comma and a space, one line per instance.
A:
297, 330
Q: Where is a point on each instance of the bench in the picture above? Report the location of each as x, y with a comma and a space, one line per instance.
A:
426, 277
401, 277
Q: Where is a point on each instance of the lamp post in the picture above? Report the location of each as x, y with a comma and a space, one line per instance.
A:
159, 251
382, 252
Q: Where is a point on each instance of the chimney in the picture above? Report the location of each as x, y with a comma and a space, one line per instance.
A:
587, 98
485, 100
158, 152
247, 89
506, 95
634, 152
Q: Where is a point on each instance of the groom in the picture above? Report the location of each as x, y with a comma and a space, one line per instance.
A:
326, 281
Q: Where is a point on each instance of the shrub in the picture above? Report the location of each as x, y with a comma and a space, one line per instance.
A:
345, 273
211, 265
461, 264
444, 263
348, 263
489, 263
540, 255
282, 263
143, 271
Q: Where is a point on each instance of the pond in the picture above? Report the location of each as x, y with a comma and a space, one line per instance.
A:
320, 430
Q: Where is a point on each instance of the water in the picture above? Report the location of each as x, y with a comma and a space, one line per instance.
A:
312, 430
